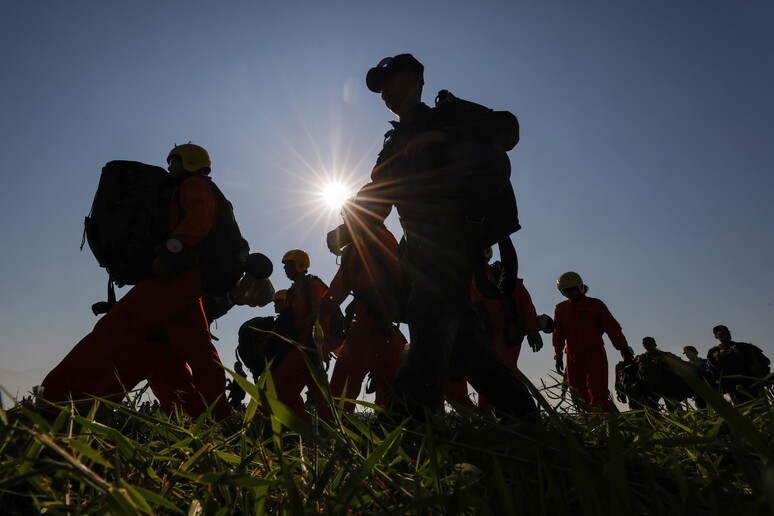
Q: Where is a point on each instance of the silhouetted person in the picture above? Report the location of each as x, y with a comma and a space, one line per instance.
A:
657, 378
236, 394
442, 168
699, 368
740, 359
580, 321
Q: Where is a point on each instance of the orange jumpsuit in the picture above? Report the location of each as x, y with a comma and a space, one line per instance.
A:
373, 344
291, 375
507, 335
579, 326
116, 355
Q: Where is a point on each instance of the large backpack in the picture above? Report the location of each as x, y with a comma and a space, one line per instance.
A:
626, 381
650, 371
257, 347
752, 362
496, 211
657, 377
128, 219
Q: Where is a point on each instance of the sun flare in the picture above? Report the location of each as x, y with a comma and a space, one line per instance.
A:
334, 194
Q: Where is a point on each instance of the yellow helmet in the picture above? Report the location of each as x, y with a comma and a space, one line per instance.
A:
193, 157
299, 258
280, 295
569, 280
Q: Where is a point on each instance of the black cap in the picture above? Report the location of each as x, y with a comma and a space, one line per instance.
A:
648, 341
391, 65
718, 328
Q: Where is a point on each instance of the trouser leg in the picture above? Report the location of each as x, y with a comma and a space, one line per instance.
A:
96, 365
190, 339
474, 354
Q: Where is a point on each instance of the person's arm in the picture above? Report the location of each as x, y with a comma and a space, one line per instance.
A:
528, 314
372, 203
558, 340
610, 326
335, 295
525, 307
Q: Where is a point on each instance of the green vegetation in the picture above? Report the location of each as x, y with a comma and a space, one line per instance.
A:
123, 460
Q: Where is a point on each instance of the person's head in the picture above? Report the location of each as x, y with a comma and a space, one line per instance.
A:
399, 80
279, 300
295, 264
722, 334
188, 159
690, 352
570, 284
649, 343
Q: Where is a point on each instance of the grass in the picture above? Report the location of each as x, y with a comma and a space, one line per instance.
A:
121, 459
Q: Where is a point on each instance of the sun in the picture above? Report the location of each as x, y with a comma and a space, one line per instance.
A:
334, 194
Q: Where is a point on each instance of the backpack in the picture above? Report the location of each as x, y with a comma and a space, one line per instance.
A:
128, 219
626, 381
750, 360
256, 348
658, 378
650, 371
496, 211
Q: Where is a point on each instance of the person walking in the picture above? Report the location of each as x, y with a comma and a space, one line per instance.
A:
580, 322
445, 169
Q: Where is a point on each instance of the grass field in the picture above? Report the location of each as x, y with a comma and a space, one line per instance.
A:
123, 460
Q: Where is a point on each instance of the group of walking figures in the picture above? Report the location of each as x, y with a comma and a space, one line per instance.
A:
446, 171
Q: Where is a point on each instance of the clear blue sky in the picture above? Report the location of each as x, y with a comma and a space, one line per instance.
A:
646, 161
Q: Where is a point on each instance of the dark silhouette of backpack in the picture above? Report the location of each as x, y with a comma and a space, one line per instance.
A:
657, 376
256, 347
752, 360
626, 383
128, 219
495, 210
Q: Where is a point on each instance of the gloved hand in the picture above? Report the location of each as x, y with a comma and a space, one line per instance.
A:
534, 340
559, 365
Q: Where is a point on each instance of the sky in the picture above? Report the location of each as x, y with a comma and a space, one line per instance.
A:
645, 163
